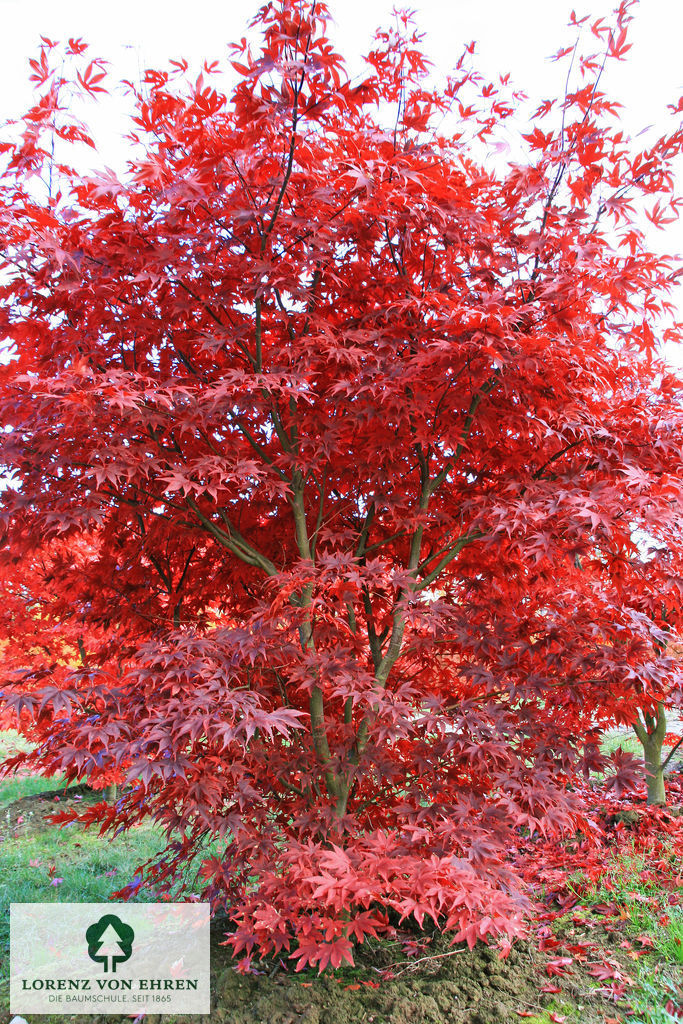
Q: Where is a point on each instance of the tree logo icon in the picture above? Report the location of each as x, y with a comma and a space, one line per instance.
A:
110, 942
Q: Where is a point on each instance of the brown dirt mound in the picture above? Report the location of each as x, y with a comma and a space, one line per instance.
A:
464, 988
448, 987
30, 813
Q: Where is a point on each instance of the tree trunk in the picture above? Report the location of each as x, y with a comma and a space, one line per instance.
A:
656, 793
110, 793
651, 734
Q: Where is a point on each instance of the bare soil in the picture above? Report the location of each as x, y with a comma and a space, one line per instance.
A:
32, 813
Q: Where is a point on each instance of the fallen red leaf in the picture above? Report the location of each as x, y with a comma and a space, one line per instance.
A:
559, 965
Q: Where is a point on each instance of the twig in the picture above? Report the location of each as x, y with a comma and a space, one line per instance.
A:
408, 965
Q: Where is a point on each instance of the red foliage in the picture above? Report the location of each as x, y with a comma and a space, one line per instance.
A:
361, 439
559, 873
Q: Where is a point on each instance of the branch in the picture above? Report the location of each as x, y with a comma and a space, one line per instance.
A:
671, 753
640, 731
256, 446
539, 472
485, 389
233, 541
319, 520
448, 557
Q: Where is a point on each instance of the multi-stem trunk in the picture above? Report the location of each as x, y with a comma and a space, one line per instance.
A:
651, 732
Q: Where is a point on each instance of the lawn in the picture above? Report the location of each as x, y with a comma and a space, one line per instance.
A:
41, 863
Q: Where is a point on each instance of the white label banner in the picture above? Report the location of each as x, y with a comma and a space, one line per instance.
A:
109, 958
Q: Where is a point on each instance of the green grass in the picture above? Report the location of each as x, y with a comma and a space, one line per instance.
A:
650, 996
672, 943
628, 743
15, 788
566, 1012
659, 977
67, 865
89, 868
624, 884
11, 742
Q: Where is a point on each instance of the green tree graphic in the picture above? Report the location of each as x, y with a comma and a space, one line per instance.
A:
110, 941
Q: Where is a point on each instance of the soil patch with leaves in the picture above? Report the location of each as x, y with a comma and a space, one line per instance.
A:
441, 984
33, 812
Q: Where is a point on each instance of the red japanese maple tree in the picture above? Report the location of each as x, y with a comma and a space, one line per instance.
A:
361, 426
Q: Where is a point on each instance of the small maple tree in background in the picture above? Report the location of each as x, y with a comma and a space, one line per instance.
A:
362, 430
661, 599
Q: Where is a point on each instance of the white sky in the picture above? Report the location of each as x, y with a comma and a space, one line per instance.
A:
515, 37
511, 36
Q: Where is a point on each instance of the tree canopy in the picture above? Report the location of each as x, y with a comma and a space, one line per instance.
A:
362, 464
